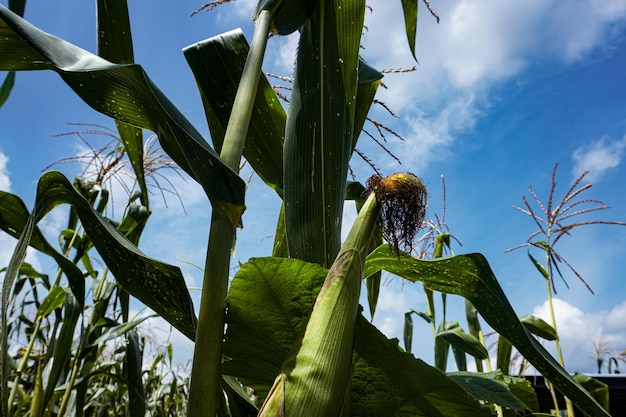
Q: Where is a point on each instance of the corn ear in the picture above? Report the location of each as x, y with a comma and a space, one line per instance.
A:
316, 375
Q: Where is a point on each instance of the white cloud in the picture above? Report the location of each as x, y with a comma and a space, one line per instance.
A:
430, 136
598, 157
476, 46
5, 181
578, 330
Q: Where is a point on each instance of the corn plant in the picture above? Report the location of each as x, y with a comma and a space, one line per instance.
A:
555, 221
295, 338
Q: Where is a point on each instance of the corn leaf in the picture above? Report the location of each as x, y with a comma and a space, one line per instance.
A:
320, 129
471, 276
124, 92
409, 7
13, 219
503, 357
539, 327
115, 44
492, 387
63, 347
134, 373
217, 64
269, 304
464, 342
599, 390
160, 286
287, 15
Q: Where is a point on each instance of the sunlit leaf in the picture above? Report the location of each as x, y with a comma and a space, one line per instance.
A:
14, 217
465, 342
217, 64
492, 387
269, 303
160, 286
320, 129
124, 92
409, 7
471, 277
54, 300
539, 327
287, 15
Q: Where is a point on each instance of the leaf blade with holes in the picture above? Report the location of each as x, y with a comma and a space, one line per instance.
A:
471, 277
125, 93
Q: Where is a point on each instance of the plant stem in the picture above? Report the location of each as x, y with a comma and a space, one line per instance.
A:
559, 352
205, 390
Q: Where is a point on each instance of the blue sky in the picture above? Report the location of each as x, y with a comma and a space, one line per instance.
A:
502, 92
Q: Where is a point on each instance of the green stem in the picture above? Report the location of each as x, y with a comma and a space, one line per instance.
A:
205, 390
559, 352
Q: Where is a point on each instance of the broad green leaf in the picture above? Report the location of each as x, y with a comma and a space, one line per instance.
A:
487, 387
473, 325
390, 383
134, 372
492, 387
124, 92
17, 7
599, 390
369, 81
503, 358
539, 327
119, 330
524, 392
54, 300
63, 347
471, 277
320, 129
6, 87
465, 342
115, 44
158, 285
409, 7
408, 331
14, 218
217, 64
269, 303
287, 15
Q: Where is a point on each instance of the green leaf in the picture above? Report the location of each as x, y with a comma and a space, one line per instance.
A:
471, 277
124, 92
160, 286
409, 7
54, 300
115, 44
63, 348
503, 358
6, 87
599, 390
119, 330
134, 372
320, 129
465, 342
14, 217
287, 15
488, 387
217, 64
408, 331
539, 267
369, 81
269, 303
524, 392
539, 327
